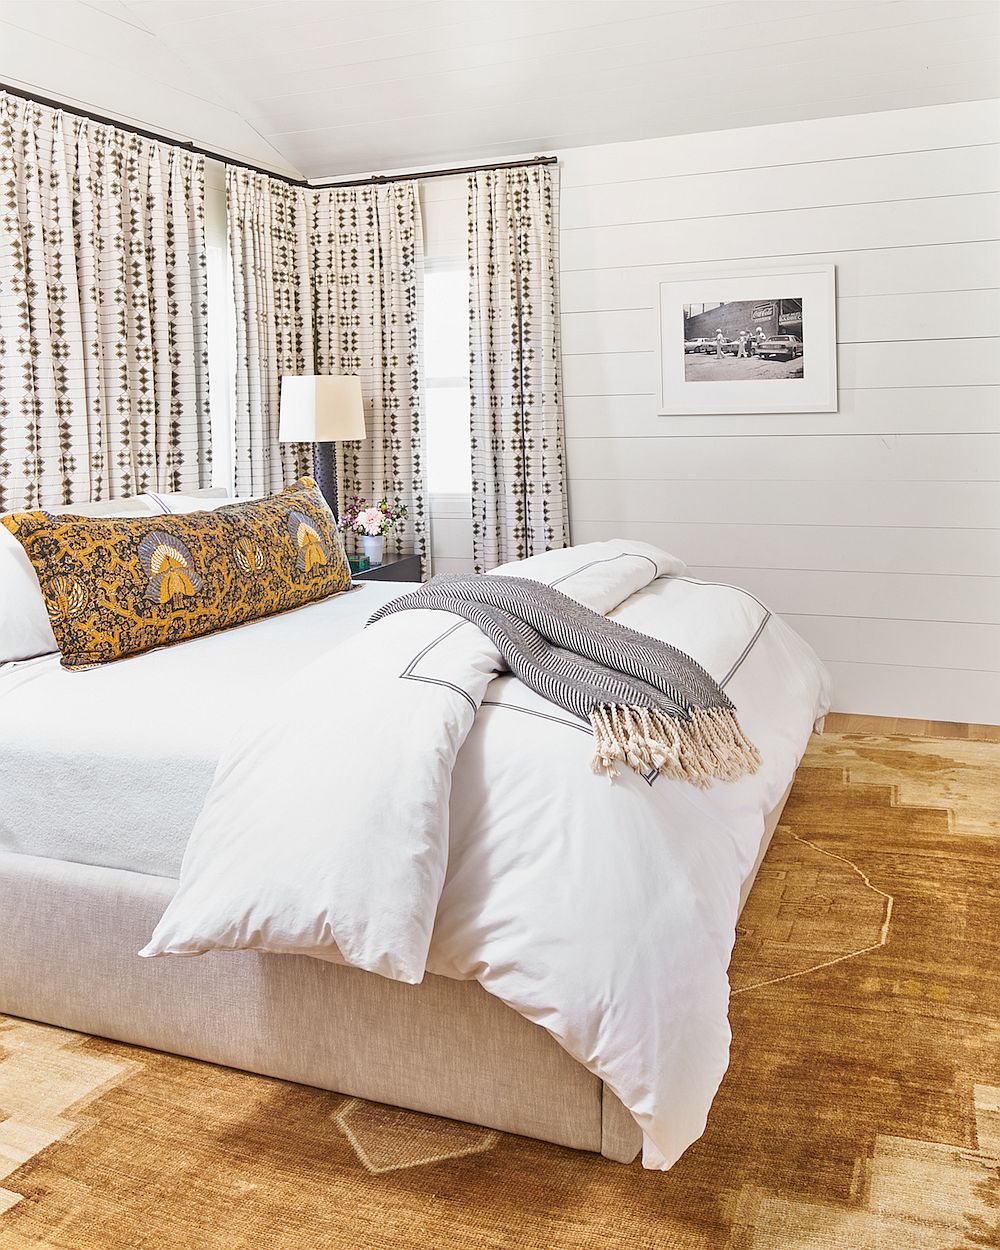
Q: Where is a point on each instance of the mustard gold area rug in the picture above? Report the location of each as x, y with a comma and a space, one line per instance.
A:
861, 1110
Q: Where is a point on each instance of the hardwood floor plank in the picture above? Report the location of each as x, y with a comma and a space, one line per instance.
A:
847, 722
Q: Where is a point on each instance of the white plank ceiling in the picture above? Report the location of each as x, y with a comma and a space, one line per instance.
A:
353, 86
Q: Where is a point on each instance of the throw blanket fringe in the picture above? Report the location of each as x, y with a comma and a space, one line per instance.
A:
651, 706
711, 745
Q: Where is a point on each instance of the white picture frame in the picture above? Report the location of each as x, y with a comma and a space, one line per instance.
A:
730, 377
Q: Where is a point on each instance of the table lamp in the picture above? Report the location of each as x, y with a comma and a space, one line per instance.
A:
322, 409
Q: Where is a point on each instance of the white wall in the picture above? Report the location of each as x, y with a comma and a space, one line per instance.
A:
875, 530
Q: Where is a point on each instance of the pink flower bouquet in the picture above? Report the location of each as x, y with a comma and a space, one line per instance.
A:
358, 517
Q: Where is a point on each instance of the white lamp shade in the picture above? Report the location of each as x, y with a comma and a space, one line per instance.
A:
321, 408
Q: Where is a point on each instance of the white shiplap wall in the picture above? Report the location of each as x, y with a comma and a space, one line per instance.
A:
874, 530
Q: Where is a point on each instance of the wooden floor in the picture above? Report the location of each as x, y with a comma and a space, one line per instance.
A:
847, 723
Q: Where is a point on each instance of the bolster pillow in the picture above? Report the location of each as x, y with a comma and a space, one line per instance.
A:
115, 587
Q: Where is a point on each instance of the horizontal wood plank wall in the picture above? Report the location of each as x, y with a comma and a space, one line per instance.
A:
875, 530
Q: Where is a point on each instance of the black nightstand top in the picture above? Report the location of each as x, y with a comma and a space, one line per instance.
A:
392, 569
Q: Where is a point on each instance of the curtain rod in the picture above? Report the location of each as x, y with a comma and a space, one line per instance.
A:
328, 185
212, 154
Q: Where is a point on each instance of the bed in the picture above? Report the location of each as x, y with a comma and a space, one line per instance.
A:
102, 775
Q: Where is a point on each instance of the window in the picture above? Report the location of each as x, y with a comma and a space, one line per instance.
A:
446, 378
222, 365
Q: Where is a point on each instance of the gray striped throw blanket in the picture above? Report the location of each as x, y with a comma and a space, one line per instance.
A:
651, 706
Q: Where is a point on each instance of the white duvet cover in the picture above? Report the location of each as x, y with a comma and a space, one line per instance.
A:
383, 822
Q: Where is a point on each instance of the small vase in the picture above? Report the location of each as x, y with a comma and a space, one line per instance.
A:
373, 546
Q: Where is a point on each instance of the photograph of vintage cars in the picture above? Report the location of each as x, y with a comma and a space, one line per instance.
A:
743, 341
742, 349
780, 347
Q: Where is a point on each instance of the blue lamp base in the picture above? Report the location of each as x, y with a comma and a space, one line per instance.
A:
325, 473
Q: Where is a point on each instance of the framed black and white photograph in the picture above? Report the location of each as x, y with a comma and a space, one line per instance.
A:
748, 342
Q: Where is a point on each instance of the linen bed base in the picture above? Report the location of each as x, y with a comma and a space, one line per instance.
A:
68, 940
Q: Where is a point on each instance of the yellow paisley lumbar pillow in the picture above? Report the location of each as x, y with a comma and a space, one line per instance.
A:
115, 587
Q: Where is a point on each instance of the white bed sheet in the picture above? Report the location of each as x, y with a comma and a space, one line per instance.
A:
110, 766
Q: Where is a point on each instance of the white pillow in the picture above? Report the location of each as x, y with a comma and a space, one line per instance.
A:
190, 501
25, 631
134, 505
24, 624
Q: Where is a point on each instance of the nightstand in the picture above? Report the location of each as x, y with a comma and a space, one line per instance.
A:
392, 569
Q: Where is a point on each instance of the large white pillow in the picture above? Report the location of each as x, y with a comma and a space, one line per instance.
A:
134, 505
24, 624
191, 501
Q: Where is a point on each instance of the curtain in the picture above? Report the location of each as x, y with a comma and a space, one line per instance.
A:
367, 258
103, 312
519, 504
268, 244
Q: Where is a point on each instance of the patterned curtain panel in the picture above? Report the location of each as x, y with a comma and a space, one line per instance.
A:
367, 256
269, 246
103, 312
519, 502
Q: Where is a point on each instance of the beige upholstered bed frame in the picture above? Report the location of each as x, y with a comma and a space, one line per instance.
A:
68, 940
